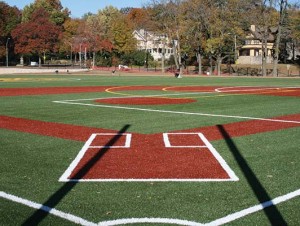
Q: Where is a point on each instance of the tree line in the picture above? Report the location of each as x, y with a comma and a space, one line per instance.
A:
197, 30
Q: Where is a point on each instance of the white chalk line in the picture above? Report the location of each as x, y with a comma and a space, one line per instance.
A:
53, 211
177, 112
220, 221
208, 145
256, 208
250, 88
140, 96
75, 102
86, 146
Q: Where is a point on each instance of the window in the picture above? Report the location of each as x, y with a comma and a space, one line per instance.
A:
245, 52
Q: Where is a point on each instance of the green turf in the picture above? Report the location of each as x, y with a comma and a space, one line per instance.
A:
267, 164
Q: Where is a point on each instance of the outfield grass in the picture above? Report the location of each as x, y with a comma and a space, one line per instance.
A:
267, 164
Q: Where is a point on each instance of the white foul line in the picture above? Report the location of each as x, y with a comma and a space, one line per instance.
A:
220, 221
53, 211
178, 112
253, 209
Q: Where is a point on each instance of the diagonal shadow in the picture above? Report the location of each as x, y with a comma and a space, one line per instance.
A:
42, 213
271, 212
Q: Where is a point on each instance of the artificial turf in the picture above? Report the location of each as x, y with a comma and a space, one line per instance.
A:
267, 164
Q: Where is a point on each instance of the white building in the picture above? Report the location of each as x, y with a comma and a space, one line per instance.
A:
153, 43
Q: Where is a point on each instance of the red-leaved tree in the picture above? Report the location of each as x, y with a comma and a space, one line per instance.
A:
37, 36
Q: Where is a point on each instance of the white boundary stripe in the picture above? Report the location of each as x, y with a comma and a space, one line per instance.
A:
250, 210
229, 218
222, 162
177, 112
75, 162
140, 96
250, 88
53, 211
147, 180
149, 220
220, 221
86, 146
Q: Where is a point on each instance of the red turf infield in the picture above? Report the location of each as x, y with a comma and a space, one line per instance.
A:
237, 90
147, 156
145, 100
82, 133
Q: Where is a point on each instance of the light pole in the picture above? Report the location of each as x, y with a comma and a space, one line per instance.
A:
71, 56
7, 51
235, 56
80, 54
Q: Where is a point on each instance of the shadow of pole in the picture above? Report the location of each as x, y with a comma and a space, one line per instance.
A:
271, 212
43, 212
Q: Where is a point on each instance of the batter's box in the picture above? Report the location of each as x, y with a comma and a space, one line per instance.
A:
110, 140
108, 157
184, 140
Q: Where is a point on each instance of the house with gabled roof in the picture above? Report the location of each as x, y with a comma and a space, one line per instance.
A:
251, 52
153, 43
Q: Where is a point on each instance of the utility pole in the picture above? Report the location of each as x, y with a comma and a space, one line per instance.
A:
7, 51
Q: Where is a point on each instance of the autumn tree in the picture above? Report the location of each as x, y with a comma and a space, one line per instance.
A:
91, 37
66, 41
10, 17
110, 32
122, 35
57, 14
37, 36
139, 18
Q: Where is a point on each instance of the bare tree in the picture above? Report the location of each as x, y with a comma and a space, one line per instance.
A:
166, 14
282, 16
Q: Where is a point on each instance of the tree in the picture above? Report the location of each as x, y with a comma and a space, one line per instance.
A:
122, 35
264, 17
196, 18
10, 17
110, 32
70, 29
38, 36
221, 25
57, 14
294, 28
281, 20
139, 18
166, 15
91, 34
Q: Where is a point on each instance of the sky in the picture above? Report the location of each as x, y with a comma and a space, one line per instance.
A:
79, 7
